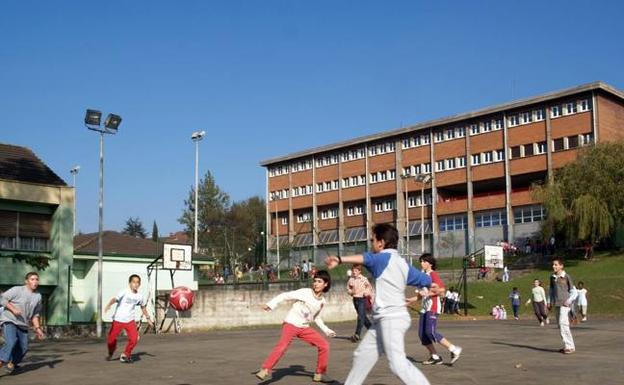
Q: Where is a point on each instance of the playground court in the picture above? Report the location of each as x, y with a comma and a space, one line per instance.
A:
495, 352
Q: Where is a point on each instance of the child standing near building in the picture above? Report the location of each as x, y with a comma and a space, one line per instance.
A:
562, 296
515, 301
307, 308
391, 319
124, 318
431, 309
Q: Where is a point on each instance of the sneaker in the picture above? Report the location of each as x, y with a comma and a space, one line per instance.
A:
355, 338
542, 323
547, 321
566, 351
109, 357
320, 377
433, 361
263, 374
455, 356
9, 368
125, 359
584, 319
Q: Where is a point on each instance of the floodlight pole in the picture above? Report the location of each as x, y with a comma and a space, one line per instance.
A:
100, 238
196, 194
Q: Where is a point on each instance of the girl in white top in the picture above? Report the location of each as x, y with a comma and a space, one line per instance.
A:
538, 298
307, 308
581, 300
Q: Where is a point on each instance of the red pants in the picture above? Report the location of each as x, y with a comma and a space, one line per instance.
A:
131, 331
309, 335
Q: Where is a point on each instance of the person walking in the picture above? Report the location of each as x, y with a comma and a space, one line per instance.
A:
515, 302
538, 298
562, 296
360, 289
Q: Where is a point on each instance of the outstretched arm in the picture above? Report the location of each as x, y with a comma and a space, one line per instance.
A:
109, 304
332, 261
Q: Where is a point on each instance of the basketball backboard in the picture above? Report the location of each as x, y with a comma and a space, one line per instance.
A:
177, 257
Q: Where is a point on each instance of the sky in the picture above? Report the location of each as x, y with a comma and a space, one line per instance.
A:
267, 78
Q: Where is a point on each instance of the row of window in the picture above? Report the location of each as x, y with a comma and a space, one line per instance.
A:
556, 111
416, 141
382, 176
329, 213
416, 201
558, 144
327, 186
354, 181
490, 218
387, 205
424, 168
355, 210
527, 214
487, 157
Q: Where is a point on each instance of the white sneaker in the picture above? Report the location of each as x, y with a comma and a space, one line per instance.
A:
455, 356
547, 321
542, 323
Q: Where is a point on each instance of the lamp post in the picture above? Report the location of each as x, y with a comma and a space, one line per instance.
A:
423, 179
74, 172
111, 125
407, 232
277, 235
262, 233
196, 137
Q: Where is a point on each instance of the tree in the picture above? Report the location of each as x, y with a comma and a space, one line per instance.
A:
213, 206
246, 220
154, 232
451, 242
584, 201
134, 227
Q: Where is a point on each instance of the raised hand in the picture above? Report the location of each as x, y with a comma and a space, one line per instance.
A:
331, 261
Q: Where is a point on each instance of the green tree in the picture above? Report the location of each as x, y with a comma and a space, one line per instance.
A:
450, 242
134, 227
246, 220
584, 201
212, 211
154, 232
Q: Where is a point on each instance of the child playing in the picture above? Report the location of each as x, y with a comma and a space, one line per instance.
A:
562, 296
124, 318
538, 298
307, 308
431, 309
359, 289
391, 319
581, 301
515, 301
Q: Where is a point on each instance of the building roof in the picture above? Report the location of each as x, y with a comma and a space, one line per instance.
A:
450, 120
115, 243
22, 165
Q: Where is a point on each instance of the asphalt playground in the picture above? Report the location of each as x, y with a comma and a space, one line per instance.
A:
495, 352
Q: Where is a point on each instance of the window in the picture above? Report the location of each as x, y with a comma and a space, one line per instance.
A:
350, 211
571, 108
304, 217
499, 124
499, 155
513, 120
453, 222
354, 181
555, 111
392, 174
426, 168
406, 143
24, 231
374, 178
345, 183
461, 161
490, 218
372, 151
362, 179
450, 163
539, 114
438, 136
284, 221
407, 170
378, 207
541, 148
390, 147
558, 144
411, 201
515, 152
388, 205
359, 210
526, 117
528, 150
450, 134
425, 139
487, 126
584, 105
416, 140
476, 159
383, 176
573, 141
474, 129
417, 169
335, 185
487, 157
328, 186
309, 189
527, 214
587, 139
460, 132
440, 165
319, 188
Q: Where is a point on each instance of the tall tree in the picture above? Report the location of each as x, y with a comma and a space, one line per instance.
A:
154, 232
134, 227
584, 201
246, 219
213, 206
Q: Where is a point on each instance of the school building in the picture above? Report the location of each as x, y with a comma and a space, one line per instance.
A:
458, 182
36, 226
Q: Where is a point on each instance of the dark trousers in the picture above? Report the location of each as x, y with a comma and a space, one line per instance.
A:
362, 320
540, 311
515, 310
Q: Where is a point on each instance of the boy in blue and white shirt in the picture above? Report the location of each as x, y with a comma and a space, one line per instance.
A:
391, 318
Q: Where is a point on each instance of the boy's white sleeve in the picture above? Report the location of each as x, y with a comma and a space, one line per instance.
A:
321, 324
286, 296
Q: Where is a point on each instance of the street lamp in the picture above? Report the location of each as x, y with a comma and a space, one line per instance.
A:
423, 179
111, 125
196, 137
407, 231
274, 196
74, 172
262, 233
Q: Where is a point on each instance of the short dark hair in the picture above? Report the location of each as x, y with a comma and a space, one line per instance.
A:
134, 276
358, 266
429, 258
324, 275
558, 259
581, 283
388, 234
30, 274
514, 289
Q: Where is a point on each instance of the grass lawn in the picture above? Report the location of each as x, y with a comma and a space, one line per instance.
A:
603, 278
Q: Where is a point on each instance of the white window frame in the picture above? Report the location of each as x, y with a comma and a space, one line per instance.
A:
571, 108
425, 139
378, 207
474, 129
475, 159
438, 136
460, 132
487, 157
335, 185
461, 162
540, 149
350, 211
426, 167
498, 125
583, 105
440, 165
555, 111
539, 114
487, 126
374, 178
513, 120
450, 164
359, 210
284, 221
449, 133
499, 155
526, 117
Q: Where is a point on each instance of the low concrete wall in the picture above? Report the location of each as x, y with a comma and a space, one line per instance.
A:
230, 306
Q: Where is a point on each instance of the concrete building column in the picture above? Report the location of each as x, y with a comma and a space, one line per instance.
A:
508, 189
594, 108
268, 229
341, 214
470, 242
400, 196
314, 213
368, 200
435, 231
549, 143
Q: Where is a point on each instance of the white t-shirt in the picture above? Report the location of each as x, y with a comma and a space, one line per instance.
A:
127, 300
581, 300
307, 308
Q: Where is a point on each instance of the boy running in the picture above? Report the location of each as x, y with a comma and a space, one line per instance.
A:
562, 296
431, 309
124, 318
391, 320
307, 308
22, 306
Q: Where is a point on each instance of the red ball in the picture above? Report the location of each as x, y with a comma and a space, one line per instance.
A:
181, 298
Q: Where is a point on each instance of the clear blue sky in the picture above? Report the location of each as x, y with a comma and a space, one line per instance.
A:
266, 78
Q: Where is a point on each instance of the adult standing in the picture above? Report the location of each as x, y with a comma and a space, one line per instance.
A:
22, 307
360, 289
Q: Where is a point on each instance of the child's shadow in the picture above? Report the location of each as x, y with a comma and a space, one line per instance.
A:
292, 370
414, 361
